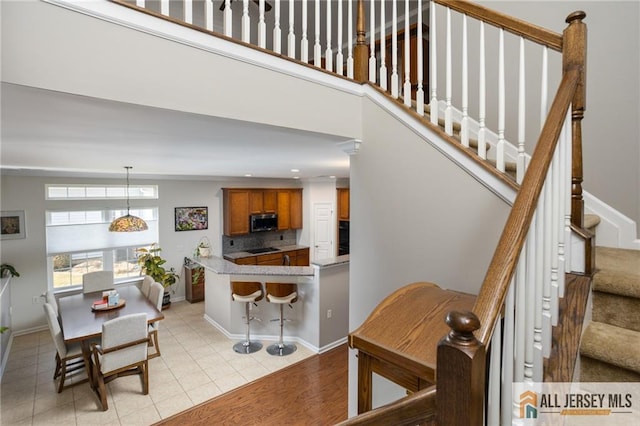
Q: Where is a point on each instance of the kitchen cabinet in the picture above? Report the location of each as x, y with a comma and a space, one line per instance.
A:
298, 257
274, 259
289, 209
343, 204
262, 201
194, 283
236, 211
302, 257
251, 260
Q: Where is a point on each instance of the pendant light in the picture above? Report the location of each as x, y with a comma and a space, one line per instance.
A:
128, 223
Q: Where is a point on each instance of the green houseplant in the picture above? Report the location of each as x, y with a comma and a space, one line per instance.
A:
152, 263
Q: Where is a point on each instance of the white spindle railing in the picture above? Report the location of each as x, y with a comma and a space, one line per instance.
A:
304, 42
246, 22
328, 54
339, 56
277, 31
420, 67
262, 26
406, 90
394, 49
372, 41
383, 49
291, 35
448, 112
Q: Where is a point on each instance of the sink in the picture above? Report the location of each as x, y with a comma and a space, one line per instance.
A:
262, 250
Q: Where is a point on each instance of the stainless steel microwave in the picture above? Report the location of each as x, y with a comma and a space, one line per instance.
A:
263, 222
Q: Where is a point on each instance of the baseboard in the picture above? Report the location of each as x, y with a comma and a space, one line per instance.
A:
615, 229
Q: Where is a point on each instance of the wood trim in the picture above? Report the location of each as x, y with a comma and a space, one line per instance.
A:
513, 25
505, 258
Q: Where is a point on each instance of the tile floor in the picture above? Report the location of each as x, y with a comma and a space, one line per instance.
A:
197, 363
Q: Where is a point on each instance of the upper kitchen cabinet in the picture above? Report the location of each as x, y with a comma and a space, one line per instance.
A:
343, 203
236, 211
262, 201
289, 209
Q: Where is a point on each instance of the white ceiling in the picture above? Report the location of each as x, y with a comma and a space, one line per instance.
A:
53, 133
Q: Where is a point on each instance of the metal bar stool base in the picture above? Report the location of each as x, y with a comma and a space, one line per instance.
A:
247, 347
281, 349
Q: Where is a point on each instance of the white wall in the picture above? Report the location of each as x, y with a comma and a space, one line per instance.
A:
415, 216
29, 255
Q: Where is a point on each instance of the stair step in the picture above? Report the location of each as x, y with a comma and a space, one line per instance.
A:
618, 271
591, 221
612, 345
613, 309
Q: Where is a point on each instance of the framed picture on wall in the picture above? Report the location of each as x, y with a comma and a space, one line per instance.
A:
12, 225
192, 218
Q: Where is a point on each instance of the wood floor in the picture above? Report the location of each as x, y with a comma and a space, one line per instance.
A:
311, 392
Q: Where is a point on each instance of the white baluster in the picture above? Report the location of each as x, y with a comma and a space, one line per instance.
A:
495, 361
228, 19
383, 48
262, 26
448, 118
394, 49
464, 122
164, 7
508, 351
188, 11
304, 42
433, 66
539, 284
246, 22
339, 57
544, 86
372, 40
140, 3
420, 76
546, 289
521, 165
317, 53
277, 32
501, 106
208, 15
521, 312
530, 313
482, 130
556, 216
291, 39
406, 90
350, 40
328, 54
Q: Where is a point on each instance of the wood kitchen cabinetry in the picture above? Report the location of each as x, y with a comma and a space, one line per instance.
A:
240, 203
299, 257
343, 203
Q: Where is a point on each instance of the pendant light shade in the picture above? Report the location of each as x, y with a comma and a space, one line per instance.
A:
128, 223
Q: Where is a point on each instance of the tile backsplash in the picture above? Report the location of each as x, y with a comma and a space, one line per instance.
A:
258, 240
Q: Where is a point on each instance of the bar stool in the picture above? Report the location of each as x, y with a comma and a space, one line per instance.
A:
282, 294
247, 292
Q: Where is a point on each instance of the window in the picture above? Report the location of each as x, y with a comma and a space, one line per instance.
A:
100, 192
79, 241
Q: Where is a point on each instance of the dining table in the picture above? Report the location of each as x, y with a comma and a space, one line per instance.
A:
81, 323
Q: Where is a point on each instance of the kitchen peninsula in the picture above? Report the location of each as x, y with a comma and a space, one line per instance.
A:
319, 320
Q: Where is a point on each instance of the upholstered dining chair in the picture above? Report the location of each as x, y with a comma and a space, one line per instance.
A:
97, 281
69, 358
51, 300
156, 294
123, 352
145, 287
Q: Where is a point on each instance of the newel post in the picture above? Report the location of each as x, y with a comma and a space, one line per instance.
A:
361, 51
460, 376
574, 55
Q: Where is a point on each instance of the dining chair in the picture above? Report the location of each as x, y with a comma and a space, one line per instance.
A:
97, 281
146, 285
51, 300
156, 294
122, 352
69, 357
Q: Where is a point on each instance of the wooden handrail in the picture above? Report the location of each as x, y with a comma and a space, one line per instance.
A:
505, 258
417, 408
516, 26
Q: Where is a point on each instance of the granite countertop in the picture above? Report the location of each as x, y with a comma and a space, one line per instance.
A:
331, 261
241, 254
222, 266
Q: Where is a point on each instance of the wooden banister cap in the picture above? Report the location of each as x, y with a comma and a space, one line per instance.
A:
462, 324
578, 15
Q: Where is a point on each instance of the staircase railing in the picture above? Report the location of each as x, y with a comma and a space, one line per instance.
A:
518, 302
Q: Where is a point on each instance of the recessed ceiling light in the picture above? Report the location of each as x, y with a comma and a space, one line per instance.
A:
296, 177
248, 175
295, 170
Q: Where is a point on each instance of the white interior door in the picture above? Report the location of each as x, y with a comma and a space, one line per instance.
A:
323, 235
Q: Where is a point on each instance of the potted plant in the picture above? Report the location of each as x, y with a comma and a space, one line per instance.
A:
7, 269
152, 264
204, 248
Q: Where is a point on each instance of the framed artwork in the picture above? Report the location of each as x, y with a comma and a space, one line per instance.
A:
192, 218
12, 225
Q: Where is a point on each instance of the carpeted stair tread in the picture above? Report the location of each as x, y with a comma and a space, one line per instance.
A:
591, 221
593, 370
613, 345
621, 311
618, 271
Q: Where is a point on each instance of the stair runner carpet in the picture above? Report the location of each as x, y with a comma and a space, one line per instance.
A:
610, 348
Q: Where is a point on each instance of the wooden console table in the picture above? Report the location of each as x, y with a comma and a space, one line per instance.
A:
399, 340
